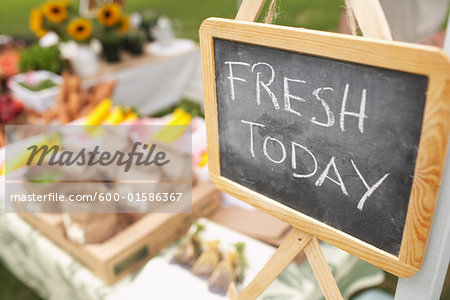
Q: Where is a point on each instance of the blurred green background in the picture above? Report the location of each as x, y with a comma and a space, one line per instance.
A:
187, 16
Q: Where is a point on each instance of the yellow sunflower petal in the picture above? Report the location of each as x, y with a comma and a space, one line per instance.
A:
55, 11
80, 29
125, 24
36, 21
109, 14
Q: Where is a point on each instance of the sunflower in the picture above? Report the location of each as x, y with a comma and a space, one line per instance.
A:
80, 29
55, 11
125, 20
36, 21
109, 14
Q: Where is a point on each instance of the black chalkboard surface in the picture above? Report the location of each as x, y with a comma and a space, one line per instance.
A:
334, 140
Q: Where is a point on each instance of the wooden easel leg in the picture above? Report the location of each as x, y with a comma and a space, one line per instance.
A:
291, 246
321, 270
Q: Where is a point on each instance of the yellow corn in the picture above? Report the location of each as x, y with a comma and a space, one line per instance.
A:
116, 116
170, 133
180, 117
130, 116
99, 113
203, 160
20, 160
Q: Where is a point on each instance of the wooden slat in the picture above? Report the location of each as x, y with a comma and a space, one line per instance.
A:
427, 175
309, 225
150, 230
413, 58
206, 44
321, 270
250, 10
371, 19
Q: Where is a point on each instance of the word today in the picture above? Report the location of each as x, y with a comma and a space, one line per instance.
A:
310, 162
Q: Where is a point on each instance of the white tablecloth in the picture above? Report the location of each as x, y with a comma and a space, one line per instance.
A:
156, 84
56, 275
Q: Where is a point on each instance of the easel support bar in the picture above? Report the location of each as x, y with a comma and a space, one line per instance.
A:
291, 246
250, 10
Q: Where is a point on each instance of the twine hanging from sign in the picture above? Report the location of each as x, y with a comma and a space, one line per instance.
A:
272, 12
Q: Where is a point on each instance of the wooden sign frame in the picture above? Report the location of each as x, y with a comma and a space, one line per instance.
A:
423, 60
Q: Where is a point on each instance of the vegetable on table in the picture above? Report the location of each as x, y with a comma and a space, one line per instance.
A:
208, 261
99, 113
116, 116
191, 248
42, 85
170, 132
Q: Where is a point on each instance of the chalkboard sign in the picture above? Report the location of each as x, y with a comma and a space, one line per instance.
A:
334, 140
341, 137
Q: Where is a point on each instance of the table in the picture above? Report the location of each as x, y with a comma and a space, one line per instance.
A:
54, 274
152, 82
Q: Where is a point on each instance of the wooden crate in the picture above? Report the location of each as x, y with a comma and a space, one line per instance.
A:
136, 244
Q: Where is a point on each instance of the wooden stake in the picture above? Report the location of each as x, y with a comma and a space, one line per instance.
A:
250, 10
370, 18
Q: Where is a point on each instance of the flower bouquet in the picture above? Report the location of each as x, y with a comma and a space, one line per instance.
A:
74, 34
61, 18
114, 24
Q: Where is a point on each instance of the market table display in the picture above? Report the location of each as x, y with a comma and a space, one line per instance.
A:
54, 274
152, 82
32, 257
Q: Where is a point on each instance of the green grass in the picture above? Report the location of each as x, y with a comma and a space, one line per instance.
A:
188, 14
12, 289
14, 16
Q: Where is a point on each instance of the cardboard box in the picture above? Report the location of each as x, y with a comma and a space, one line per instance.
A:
137, 243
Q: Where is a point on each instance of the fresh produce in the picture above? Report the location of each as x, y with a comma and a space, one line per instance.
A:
40, 58
72, 102
9, 63
131, 116
99, 113
21, 158
224, 274
42, 85
191, 247
107, 114
240, 263
170, 133
191, 107
9, 108
116, 116
208, 261
203, 160
230, 269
